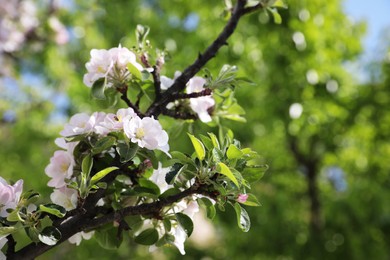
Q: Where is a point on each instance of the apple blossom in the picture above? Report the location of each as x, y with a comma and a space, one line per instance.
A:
146, 132
168, 82
78, 237
114, 122
9, 196
78, 124
60, 168
200, 105
65, 197
110, 64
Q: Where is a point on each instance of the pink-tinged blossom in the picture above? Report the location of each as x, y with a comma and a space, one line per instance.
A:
78, 124
114, 122
122, 56
78, 237
146, 132
110, 64
98, 66
242, 198
60, 168
200, 105
9, 196
65, 197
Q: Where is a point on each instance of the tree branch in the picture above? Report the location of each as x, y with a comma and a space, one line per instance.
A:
86, 220
239, 10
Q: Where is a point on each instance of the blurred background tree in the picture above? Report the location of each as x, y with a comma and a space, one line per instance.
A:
324, 135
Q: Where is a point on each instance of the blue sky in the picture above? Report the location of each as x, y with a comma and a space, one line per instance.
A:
377, 15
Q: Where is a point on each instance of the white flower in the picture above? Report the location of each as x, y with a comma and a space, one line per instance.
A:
98, 66
78, 124
9, 196
158, 177
114, 122
110, 64
76, 238
65, 197
146, 132
168, 82
200, 105
122, 56
59, 168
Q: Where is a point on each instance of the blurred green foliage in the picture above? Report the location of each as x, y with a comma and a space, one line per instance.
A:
337, 125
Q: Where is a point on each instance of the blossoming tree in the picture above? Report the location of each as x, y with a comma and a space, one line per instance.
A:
114, 174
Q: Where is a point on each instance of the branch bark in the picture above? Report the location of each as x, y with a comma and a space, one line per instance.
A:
239, 10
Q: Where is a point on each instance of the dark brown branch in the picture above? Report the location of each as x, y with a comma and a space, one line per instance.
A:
123, 91
205, 92
88, 221
178, 114
239, 10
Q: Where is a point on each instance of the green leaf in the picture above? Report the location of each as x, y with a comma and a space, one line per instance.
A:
182, 157
14, 216
252, 201
198, 146
233, 152
254, 173
175, 170
107, 237
149, 185
103, 144
223, 169
167, 224
75, 138
147, 237
53, 209
217, 155
185, 222
207, 142
214, 140
101, 174
126, 152
98, 88
86, 165
169, 192
243, 220
5, 231
276, 15
280, 4
134, 71
209, 206
50, 236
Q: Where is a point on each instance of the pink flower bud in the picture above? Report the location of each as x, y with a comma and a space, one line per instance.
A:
242, 198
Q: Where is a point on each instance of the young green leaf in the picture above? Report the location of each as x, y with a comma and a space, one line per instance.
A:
233, 152
251, 201
101, 174
223, 169
5, 231
198, 146
86, 165
134, 71
126, 152
53, 209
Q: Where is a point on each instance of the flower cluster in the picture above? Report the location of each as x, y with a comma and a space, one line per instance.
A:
146, 133
110, 64
9, 198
